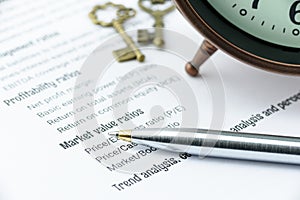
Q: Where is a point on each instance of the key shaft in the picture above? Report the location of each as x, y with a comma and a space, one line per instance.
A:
127, 39
158, 15
158, 25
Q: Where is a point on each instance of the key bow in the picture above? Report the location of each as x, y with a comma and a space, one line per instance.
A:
122, 14
156, 12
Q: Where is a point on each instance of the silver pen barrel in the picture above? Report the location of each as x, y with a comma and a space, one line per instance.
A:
222, 144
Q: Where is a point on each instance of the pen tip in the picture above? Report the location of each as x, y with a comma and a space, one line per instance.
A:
114, 133
124, 135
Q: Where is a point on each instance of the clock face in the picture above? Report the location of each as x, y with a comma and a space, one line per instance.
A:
263, 33
274, 21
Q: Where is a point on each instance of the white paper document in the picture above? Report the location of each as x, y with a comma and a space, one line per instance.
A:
62, 92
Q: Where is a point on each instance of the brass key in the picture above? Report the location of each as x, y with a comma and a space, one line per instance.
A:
157, 38
131, 51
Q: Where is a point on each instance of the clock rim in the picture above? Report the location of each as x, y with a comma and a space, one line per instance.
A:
221, 43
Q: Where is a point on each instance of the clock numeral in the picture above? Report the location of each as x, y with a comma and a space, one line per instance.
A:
294, 12
255, 4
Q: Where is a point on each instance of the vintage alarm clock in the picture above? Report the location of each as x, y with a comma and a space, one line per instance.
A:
262, 33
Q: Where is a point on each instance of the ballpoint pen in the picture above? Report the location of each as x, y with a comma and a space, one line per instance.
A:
222, 144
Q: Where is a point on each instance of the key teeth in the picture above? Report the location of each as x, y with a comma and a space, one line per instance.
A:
124, 54
144, 36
